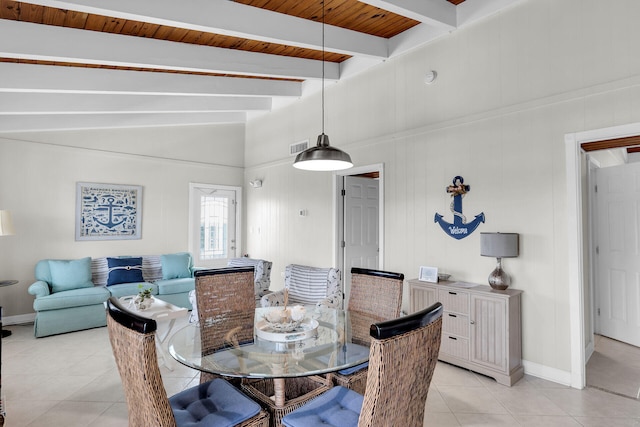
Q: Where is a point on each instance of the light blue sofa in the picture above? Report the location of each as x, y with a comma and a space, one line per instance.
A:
70, 294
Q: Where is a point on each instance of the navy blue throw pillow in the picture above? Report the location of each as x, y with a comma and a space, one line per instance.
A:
124, 270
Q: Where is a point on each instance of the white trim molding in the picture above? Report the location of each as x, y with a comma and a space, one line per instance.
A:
576, 255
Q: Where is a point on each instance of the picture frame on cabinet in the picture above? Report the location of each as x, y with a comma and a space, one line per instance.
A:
428, 274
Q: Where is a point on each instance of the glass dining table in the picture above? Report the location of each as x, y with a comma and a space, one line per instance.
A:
245, 345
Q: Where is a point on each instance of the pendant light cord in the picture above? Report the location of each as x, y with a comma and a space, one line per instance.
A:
323, 66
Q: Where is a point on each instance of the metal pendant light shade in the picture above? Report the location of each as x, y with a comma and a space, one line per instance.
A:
323, 157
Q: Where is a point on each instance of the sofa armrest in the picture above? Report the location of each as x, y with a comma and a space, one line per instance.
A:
272, 299
39, 289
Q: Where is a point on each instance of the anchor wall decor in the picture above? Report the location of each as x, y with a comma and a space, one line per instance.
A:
108, 211
459, 229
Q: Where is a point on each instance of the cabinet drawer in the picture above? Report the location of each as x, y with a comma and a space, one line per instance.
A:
454, 301
455, 346
455, 324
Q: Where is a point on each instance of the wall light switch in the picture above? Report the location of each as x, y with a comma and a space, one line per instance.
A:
302, 212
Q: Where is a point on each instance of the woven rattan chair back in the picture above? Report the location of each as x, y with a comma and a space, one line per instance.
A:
376, 292
226, 300
133, 342
401, 366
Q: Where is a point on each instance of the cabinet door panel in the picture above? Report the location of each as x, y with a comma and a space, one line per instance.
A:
489, 332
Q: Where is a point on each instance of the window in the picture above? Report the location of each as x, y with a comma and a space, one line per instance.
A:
214, 233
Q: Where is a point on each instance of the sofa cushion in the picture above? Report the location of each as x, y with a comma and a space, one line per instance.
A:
70, 274
176, 266
124, 270
175, 286
72, 298
151, 268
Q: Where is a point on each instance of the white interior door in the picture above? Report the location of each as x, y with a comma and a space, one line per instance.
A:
618, 253
361, 231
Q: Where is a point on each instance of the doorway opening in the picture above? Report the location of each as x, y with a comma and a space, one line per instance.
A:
359, 221
580, 260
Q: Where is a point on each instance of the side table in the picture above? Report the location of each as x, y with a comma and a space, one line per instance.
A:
5, 333
160, 311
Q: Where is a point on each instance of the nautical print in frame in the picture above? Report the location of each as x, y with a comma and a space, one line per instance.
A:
108, 211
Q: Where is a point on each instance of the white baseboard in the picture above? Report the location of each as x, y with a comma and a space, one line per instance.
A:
19, 319
589, 351
547, 373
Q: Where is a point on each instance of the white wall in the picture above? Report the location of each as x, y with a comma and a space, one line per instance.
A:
509, 88
38, 176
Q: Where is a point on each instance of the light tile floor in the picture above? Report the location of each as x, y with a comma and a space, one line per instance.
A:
614, 366
71, 380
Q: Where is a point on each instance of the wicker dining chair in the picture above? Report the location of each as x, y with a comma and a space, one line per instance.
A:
222, 296
214, 403
374, 292
402, 359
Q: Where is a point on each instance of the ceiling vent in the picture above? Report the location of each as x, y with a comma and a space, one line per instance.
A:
298, 147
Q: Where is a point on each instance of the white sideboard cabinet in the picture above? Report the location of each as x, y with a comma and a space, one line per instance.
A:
481, 327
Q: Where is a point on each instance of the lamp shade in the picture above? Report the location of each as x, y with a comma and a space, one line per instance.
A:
6, 224
499, 245
323, 157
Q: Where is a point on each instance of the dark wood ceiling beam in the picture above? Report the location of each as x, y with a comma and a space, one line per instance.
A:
608, 144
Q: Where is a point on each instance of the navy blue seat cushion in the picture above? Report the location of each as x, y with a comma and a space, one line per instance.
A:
214, 403
354, 369
339, 407
124, 270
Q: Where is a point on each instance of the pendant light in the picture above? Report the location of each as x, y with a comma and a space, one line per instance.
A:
322, 157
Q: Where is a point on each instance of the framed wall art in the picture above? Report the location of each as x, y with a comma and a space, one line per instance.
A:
108, 211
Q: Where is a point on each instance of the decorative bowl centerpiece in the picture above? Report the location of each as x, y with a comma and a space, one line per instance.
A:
285, 319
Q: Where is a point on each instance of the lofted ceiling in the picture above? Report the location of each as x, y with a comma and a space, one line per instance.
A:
87, 64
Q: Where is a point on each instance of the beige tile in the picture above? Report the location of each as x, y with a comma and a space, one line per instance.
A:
494, 420
527, 401
54, 387
593, 403
115, 416
440, 420
435, 402
461, 399
446, 374
71, 414
22, 412
608, 422
546, 421
105, 388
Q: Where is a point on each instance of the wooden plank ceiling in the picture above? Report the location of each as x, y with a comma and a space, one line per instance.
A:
90, 63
